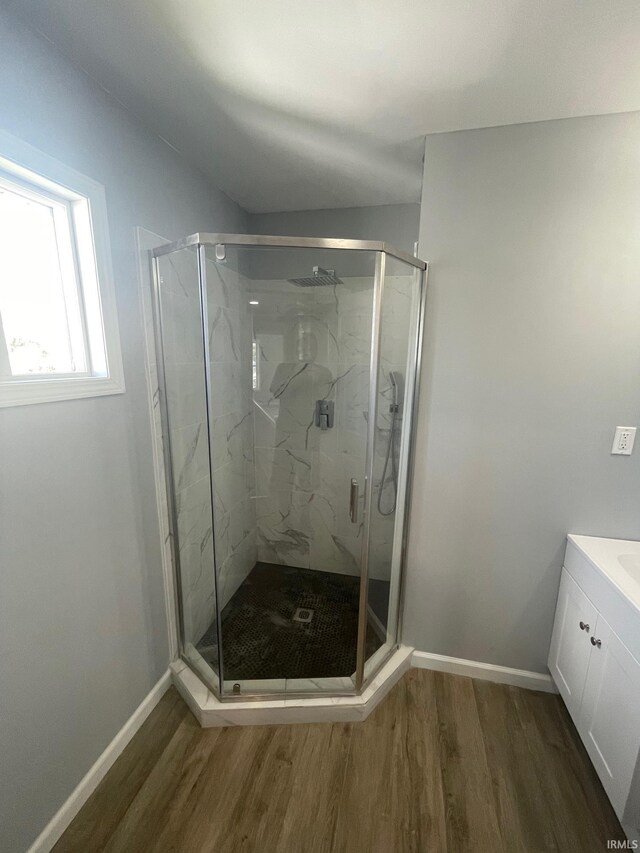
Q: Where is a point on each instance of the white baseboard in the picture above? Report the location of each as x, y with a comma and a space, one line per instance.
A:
485, 671
70, 808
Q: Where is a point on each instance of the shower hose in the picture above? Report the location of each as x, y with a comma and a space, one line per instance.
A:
394, 465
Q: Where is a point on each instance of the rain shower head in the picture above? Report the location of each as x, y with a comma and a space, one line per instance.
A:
320, 278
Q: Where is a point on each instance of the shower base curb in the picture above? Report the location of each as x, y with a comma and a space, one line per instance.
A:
210, 712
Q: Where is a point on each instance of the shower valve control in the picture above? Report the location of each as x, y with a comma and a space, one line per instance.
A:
324, 414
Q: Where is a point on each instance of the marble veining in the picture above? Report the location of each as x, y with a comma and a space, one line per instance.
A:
231, 453
224, 324
317, 348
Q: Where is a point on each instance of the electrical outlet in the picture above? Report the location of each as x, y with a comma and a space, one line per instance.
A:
623, 441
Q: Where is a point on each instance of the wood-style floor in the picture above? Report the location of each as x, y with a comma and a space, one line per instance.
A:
445, 763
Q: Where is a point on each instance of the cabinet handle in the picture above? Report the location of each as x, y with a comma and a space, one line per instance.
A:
595, 642
584, 626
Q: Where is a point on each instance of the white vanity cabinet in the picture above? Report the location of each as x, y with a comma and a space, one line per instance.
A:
570, 647
609, 719
594, 660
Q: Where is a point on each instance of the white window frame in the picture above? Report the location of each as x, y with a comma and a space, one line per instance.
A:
82, 211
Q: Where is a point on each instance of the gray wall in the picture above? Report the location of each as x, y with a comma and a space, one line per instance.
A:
395, 223
532, 358
82, 623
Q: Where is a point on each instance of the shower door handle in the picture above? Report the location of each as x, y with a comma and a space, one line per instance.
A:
353, 501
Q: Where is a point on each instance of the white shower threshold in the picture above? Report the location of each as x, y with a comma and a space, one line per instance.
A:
210, 711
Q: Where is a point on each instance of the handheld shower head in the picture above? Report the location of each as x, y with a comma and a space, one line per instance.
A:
397, 384
395, 408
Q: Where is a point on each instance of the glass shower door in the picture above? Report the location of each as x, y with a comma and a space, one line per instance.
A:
396, 367
180, 345
289, 348
287, 370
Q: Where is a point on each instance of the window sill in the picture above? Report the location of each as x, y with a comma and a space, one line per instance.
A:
55, 390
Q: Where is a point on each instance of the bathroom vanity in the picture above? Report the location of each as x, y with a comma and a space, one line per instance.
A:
595, 661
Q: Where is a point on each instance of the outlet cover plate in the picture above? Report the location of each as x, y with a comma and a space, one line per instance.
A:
623, 441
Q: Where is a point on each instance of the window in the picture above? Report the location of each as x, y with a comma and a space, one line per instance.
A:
58, 327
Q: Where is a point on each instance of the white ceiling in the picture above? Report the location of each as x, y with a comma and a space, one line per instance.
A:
295, 104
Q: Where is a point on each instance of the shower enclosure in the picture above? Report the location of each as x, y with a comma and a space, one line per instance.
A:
287, 374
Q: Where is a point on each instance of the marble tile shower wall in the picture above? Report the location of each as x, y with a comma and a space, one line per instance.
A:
186, 404
313, 344
230, 352
232, 458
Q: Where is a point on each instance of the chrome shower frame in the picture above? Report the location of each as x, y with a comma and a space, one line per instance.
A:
219, 242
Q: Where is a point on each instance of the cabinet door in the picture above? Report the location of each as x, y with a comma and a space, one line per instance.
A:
609, 721
570, 648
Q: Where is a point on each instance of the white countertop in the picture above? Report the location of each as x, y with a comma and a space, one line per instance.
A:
617, 559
